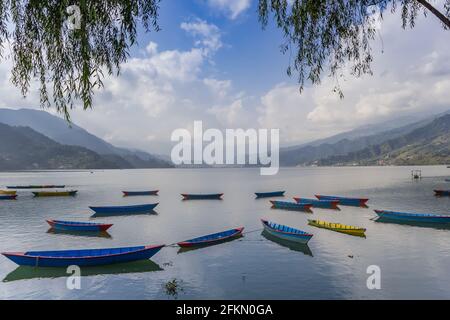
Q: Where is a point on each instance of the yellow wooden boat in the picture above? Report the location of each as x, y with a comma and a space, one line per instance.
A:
8, 192
55, 193
354, 231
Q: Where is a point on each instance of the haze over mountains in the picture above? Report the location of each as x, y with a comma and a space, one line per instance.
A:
341, 149
34, 139
36, 124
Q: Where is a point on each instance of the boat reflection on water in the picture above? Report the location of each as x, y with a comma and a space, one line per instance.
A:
438, 226
294, 246
27, 273
187, 249
99, 234
121, 214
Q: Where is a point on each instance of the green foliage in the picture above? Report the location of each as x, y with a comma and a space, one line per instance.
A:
333, 34
72, 62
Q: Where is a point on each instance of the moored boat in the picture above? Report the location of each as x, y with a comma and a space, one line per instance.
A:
286, 233
140, 193
327, 204
50, 186
78, 226
81, 258
8, 197
338, 227
212, 238
199, 196
286, 205
55, 193
7, 192
124, 209
442, 192
345, 201
413, 217
270, 194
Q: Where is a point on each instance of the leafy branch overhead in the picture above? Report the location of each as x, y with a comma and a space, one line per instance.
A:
331, 34
70, 60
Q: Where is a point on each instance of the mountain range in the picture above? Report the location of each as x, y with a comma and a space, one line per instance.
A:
37, 125
343, 148
34, 139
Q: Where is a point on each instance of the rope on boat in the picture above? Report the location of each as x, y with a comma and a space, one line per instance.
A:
251, 231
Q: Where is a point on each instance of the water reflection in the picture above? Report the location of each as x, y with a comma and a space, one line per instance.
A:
294, 246
99, 234
415, 224
27, 272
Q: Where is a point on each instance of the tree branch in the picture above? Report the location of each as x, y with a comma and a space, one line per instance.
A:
437, 13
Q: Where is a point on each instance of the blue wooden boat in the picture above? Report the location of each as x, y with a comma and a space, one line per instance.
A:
8, 197
206, 196
82, 258
124, 209
286, 233
270, 194
212, 238
78, 226
140, 193
291, 205
345, 201
327, 204
413, 217
442, 193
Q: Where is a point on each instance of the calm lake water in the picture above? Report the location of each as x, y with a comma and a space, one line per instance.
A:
414, 261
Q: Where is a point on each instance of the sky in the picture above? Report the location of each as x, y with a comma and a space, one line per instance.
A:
213, 62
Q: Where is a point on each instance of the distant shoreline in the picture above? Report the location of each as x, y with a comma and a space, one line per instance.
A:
224, 167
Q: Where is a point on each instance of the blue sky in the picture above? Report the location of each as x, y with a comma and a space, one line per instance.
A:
250, 55
213, 62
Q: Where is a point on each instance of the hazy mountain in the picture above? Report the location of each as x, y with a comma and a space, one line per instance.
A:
429, 144
60, 131
351, 141
22, 148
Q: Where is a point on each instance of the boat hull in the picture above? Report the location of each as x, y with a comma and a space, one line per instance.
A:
269, 194
8, 197
285, 235
326, 204
55, 193
78, 226
442, 193
412, 217
359, 232
212, 238
37, 187
82, 258
212, 196
124, 209
140, 193
358, 202
285, 205
7, 193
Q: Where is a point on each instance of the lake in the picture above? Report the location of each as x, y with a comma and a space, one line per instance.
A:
414, 261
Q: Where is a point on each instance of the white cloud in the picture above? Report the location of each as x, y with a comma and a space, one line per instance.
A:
163, 90
408, 79
233, 8
207, 35
220, 88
